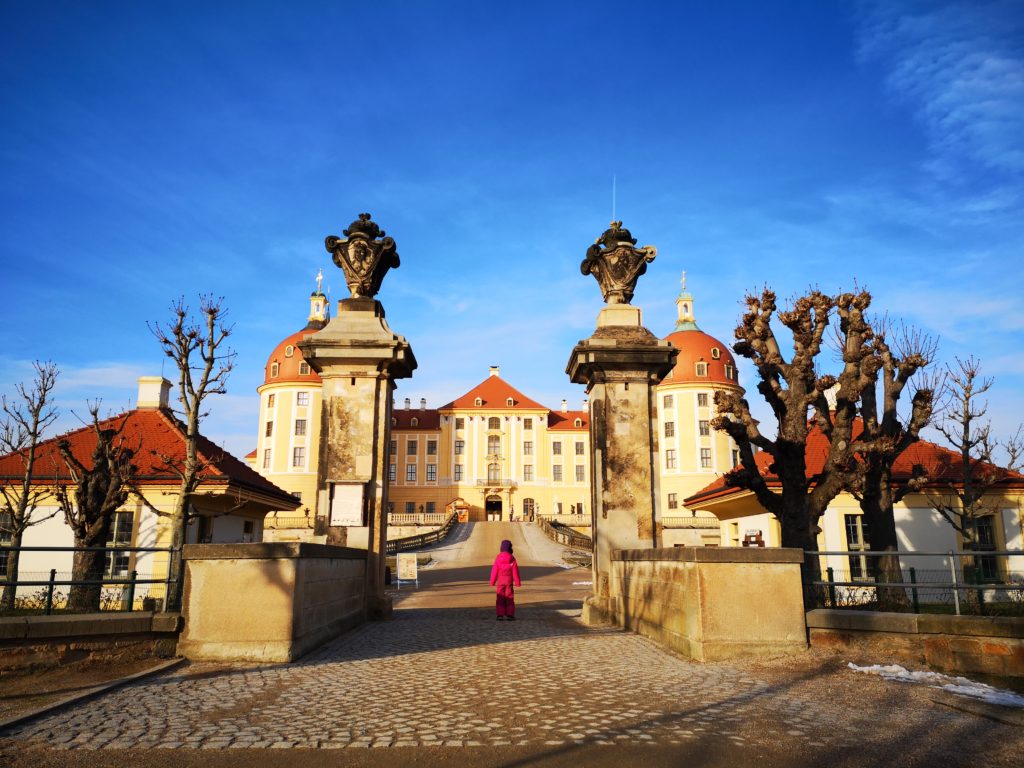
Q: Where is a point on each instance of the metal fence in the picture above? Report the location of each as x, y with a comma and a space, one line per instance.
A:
955, 582
422, 539
121, 589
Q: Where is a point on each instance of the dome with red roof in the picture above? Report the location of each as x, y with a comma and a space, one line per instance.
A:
286, 364
702, 359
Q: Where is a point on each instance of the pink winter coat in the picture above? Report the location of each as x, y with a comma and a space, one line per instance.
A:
505, 571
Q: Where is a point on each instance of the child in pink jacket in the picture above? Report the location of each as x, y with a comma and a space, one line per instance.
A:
505, 573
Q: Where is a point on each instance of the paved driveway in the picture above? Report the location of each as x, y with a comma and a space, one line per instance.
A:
444, 681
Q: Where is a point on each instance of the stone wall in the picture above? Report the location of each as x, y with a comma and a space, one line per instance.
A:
269, 602
963, 644
711, 603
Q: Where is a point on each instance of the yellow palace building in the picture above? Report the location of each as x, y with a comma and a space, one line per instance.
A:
494, 453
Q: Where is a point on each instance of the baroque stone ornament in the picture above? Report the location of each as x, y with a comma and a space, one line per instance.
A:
364, 255
616, 263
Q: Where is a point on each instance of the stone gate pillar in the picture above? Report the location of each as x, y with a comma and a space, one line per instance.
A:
358, 358
620, 364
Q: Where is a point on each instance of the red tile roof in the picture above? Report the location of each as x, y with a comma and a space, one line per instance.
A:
566, 421
152, 433
494, 393
942, 464
289, 365
425, 419
696, 346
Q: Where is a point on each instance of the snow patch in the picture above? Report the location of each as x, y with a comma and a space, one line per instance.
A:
583, 583
958, 685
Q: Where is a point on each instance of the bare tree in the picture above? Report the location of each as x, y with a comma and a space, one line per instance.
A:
963, 492
89, 502
800, 400
199, 351
23, 421
884, 437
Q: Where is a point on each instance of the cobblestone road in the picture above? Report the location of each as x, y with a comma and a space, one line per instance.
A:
452, 676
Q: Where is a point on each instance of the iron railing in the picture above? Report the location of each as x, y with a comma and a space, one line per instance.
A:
960, 582
422, 539
122, 590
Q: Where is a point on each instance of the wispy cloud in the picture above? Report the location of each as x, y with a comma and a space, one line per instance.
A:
961, 68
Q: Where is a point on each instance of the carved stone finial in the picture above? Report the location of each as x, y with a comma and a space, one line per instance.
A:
364, 255
616, 263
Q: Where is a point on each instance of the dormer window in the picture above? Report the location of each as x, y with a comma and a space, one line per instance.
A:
578, 422
415, 422
702, 369
730, 372
289, 351
478, 402
394, 421
715, 353
304, 369
510, 402
275, 369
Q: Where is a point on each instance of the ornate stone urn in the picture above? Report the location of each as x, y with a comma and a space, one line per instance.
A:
616, 263
365, 255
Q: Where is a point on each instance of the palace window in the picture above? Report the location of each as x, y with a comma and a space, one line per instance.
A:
702, 399
270, 400
299, 456
431, 472
667, 401
670, 429
300, 427
266, 458
730, 373
460, 423
410, 473
493, 473
431, 447
580, 473
705, 458
527, 423
494, 445
458, 473
494, 423
303, 369
274, 370
673, 501
269, 431
431, 507
556, 448
414, 422
705, 428
528, 473
579, 449
392, 472
556, 473
529, 507
460, 447
702, 369
410, 447
735, 457
509, 402
302, 398
578, 423
478, 402
857, 541
410, 507
670, 458
984, 541
6, 535
393, 447
120, 535
528, 448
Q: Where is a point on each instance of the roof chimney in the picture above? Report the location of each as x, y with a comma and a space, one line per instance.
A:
494, 370
565, 406
153, 392
407, 401
423, 403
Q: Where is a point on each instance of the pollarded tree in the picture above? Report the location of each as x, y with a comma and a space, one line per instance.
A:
885, 435
797, 395
967, 492
95, 493
198, 349
23, 421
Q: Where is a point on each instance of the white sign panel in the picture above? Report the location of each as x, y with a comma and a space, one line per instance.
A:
407, 566
347, 504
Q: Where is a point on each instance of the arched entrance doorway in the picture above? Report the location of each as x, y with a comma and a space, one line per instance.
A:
492, 506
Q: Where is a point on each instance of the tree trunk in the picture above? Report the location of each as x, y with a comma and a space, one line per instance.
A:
801, 532
877, 506
13, 560
86, 566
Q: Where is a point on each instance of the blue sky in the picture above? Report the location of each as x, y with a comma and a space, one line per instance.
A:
152, 150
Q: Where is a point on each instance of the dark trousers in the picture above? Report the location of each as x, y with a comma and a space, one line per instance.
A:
506, 602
